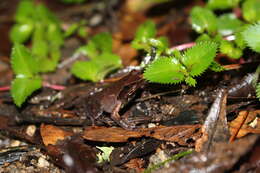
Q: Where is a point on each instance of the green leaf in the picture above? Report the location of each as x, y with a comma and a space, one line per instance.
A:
144, 32
103, 41
165, 70
104, 156
250, 10
99, 43
21, 32
25, 11
239, 40
86, 70
71, 29
203, 37
40, 46
203, 19
108, 60
228, 48
228, 24
54, 35
22, 61
24, 87
258, 91
198, 58
96, 69
251, 35
82, 32
190, 81
222, 4
214, 66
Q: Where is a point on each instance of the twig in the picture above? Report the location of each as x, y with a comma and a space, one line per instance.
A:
245, 115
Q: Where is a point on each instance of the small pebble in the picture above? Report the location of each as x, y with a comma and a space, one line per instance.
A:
42, 163
31, 130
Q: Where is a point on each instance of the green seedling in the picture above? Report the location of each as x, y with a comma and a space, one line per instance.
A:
37, 24
26, 71
101, 61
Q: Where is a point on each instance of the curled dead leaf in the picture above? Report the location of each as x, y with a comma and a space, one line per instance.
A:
246, 122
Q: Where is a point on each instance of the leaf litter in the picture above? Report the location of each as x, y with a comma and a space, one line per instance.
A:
140, 120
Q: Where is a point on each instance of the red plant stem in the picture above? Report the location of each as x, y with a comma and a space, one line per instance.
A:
5, 88
184, 46
45, 84
52, 86
189, 45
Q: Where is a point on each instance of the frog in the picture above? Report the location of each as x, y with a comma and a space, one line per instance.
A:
113, 98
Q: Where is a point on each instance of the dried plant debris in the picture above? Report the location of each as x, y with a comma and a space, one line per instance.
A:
182, 134
222, 157
73, 156
246, 122
133, 150
215, 127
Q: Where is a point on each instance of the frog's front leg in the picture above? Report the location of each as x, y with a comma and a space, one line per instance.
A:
124, 123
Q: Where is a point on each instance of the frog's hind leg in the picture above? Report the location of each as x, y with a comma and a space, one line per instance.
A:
124, 123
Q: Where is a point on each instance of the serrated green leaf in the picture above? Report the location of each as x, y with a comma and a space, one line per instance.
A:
22, 61
86, 70
228, 24
198, 58
21, 32
203, 19
222, 4
190, 81
250, 10
24, 87
251, 35
165, 70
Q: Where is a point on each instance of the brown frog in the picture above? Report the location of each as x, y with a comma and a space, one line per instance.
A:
114, 97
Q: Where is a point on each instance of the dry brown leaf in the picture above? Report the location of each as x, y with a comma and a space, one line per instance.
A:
179, 134
105, 134
137, 164
246, 122
51, 134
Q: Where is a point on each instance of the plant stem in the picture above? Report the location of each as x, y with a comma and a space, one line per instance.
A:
45, 84
53, 86
189, 45
5, 88
174, 157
